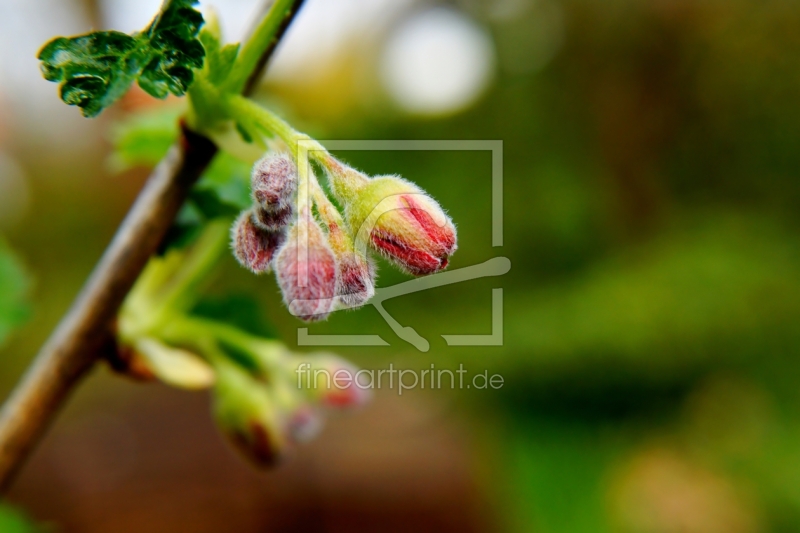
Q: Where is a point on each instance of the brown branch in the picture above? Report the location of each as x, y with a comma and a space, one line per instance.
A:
85, 331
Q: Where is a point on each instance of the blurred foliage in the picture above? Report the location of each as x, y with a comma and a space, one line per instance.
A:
13, 521
14, 288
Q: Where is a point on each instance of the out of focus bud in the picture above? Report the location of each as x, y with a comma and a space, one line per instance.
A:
306, 271
304, 424
247, 414
403, 223
331, 381
147, 358
273, 182
254, 247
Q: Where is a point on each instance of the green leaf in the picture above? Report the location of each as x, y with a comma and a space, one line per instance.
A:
96, 69
14, 287
143, 139
228, 180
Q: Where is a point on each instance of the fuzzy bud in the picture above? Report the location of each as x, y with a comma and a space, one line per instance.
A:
273, 182
397, 219
254, 247
275, 221
355, 280
306, 271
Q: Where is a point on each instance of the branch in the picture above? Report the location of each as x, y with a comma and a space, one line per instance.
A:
86, 330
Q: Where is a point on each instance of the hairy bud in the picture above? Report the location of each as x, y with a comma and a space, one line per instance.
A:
355, 280
306, 271
275, 221
273, 182
397, 219
253, 246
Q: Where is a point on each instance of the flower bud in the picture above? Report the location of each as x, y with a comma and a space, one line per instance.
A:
403, 223
275, 221
248, 415
306, 271
304, 424
147, 359
273, 182
331, 380
355, 280
254, 247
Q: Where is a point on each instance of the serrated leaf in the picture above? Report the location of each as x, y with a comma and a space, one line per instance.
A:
96, 69
14, 286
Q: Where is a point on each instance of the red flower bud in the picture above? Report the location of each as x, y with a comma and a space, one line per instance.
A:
254, 247
274, 181
403, 223
306, 271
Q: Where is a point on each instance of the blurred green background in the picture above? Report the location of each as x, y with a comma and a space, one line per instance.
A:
650, 315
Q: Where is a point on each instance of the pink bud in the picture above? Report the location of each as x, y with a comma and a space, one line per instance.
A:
355, 281
253, 246
403, 223
273, 182
306, 270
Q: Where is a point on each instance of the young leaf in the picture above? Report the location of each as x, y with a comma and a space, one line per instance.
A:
96, 69
219, 57
144, 139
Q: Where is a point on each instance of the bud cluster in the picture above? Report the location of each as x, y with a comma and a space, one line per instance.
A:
322, 270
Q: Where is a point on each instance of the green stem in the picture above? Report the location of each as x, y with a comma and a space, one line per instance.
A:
171, 284
182, 291
264, 37
198, 333
244, 110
